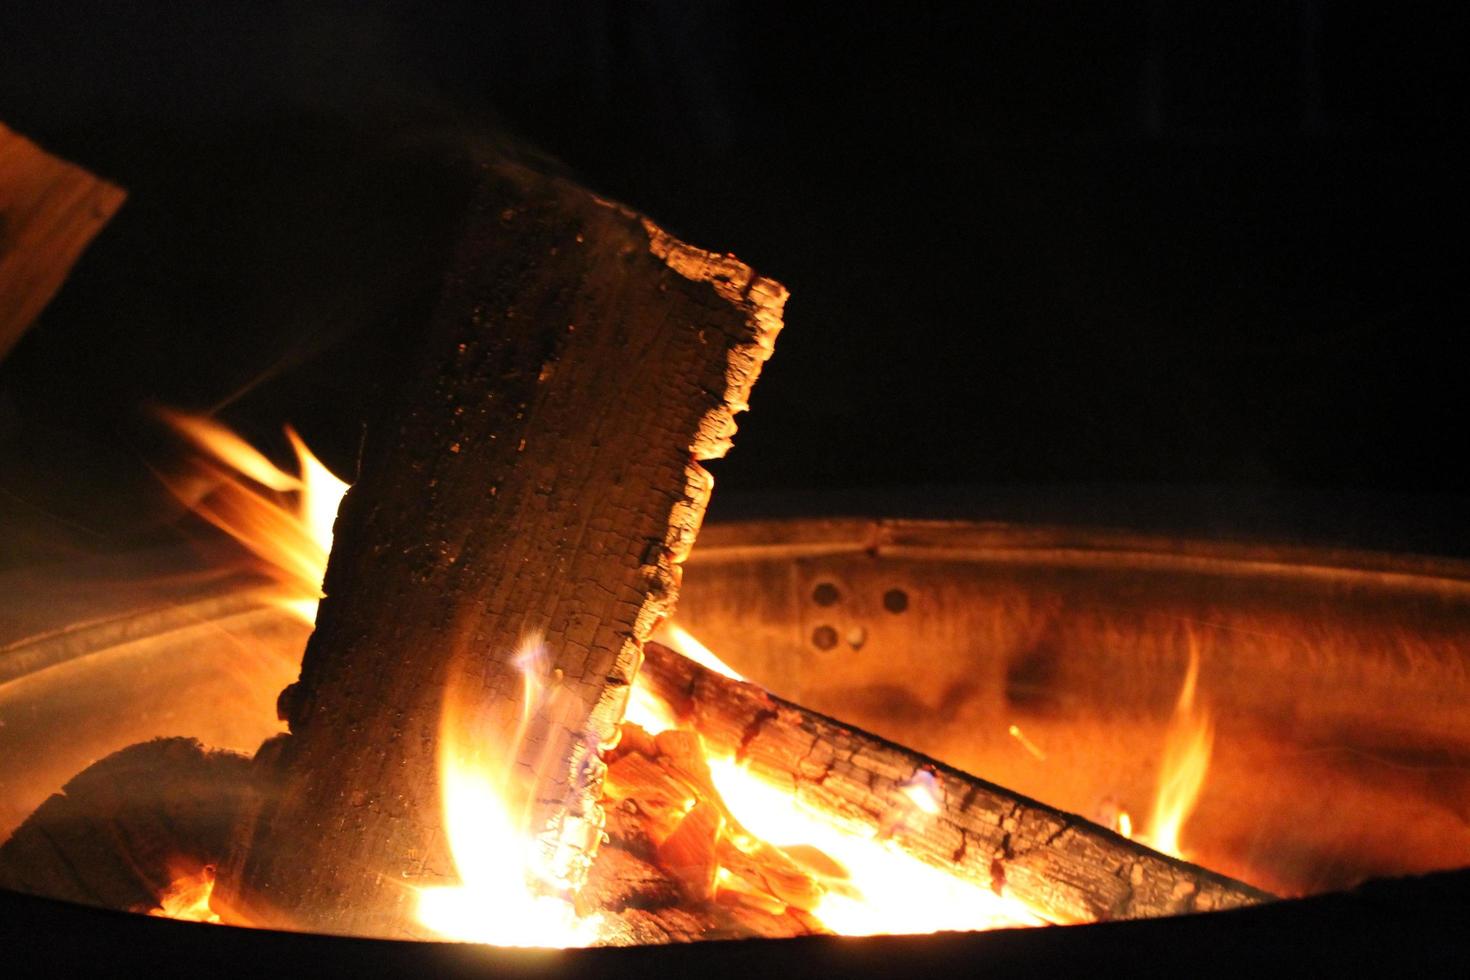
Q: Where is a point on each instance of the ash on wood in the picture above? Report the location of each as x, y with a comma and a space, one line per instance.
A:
525, 505
49, 211
1064, 867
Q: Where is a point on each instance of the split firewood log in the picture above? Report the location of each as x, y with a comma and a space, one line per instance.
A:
666, 782
1064, 867
49, 211
523, 507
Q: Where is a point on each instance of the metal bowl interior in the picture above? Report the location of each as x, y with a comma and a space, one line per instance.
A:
1044, 659
1337, 680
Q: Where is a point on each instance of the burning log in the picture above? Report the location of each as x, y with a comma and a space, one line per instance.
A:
676, 873
143, 830
513, 538
641, 903
49, 211
1064, 867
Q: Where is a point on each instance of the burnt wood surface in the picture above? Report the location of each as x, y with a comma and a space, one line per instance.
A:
49, 211
534, 487
1066, 868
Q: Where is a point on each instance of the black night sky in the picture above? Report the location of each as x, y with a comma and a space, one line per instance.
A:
1152, 263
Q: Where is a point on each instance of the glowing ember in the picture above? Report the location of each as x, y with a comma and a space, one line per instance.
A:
1015, 732
889, 891
873, 887
187, 897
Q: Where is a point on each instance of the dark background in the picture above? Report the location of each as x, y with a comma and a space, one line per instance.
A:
1183, 265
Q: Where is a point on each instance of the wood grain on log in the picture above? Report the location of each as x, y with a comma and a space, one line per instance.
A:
1065, 868
536, 485
49, 211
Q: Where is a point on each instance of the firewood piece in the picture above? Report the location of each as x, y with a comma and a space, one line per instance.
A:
770, 871
691, 852
538, 478
125, 828
640, 905
1066, 868
660, 783
639, 902
49, 211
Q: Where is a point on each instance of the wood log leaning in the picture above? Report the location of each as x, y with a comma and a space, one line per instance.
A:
1064, 867
532, 493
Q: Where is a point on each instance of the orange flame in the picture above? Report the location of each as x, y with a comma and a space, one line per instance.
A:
284, 519
885, 891
507, 893
681, 641
1185, 762
187, 897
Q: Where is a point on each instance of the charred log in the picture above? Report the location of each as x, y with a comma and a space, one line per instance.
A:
157, 816
125, 828
1063, 866
668, 808
532, 493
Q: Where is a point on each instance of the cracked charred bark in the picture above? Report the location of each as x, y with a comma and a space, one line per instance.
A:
1064, 867
535, 487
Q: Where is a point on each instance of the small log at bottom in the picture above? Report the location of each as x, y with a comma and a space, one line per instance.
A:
152, 820
642, 905
1064, 867
679, 866
127, 828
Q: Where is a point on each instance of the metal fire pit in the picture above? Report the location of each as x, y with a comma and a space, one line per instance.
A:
1045, 659
1338, 680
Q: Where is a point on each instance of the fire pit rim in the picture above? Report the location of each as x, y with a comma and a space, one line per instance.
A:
1061, 544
